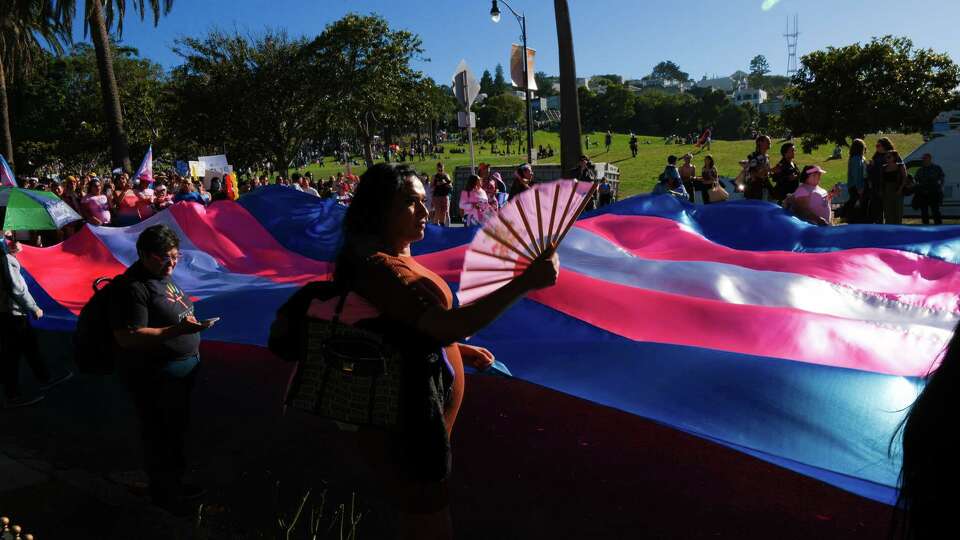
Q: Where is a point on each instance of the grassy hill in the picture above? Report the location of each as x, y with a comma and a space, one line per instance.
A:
639, 174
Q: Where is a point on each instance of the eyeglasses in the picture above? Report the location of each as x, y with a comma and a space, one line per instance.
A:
166, 259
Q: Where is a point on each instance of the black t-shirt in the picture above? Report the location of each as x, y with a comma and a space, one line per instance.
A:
145, 301
441, 189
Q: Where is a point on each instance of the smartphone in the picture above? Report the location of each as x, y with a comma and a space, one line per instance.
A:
210, 322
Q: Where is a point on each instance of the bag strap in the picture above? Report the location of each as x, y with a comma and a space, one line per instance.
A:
339, 310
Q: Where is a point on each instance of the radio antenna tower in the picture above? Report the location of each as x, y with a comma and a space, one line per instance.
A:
792, 46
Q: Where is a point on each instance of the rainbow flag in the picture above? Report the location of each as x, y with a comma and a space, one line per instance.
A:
800, 345
146, 166
7, 178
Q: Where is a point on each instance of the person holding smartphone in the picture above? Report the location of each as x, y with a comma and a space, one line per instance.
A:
158, 345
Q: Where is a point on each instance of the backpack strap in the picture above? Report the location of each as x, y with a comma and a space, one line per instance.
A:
340, 303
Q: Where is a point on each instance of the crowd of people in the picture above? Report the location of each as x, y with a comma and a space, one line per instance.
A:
876, 187
119, 200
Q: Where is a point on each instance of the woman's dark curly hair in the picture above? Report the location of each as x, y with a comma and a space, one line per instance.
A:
366, 219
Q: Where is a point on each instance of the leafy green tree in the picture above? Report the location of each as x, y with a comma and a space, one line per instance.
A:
759, 67
775, 85
25, 26
885, 85
504, 110
98, 19
500, 84
616, 79
545, 84
486, 83
60, 112
368, 66
615, 108
733, 122
227, 95
668, 70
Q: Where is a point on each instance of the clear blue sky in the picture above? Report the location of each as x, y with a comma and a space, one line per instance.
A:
626, 37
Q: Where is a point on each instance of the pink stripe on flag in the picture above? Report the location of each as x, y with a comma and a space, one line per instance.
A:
900, 275
228, 233
447, 263
67, 271
787, 333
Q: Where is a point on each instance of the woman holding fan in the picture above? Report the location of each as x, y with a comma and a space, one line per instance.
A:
387, 215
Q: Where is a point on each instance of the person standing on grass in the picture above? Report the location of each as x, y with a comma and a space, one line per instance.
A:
855, 209
158, 339
894, 182
786, 174
758, 171
633, 144
442, 186
688, 172
929, 193
17, 337
876, 185
608, 140
413, 465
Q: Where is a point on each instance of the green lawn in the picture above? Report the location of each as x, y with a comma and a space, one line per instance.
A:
639, 174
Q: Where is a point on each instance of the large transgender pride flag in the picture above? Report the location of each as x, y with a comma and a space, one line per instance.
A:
799, 345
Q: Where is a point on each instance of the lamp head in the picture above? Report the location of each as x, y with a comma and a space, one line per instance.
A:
495, 12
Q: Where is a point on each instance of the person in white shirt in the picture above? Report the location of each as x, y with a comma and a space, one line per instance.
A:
304, 186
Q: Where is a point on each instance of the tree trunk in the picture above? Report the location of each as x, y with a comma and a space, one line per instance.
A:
6, 141
108, 87
364, 131
570, 148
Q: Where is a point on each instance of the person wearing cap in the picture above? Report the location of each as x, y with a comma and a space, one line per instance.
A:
489, 186
162, 198
522, 181
929, 194
811, 202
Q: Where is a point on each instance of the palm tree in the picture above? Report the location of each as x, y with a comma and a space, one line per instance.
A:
570, 148
99, 16
24, 24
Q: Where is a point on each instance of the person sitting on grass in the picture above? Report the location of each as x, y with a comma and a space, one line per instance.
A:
670, 182
810, 202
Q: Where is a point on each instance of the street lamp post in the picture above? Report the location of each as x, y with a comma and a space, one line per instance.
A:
495, 16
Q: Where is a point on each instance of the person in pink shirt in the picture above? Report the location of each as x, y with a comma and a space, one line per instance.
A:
811, 202
95, 206
145, 197
474, 203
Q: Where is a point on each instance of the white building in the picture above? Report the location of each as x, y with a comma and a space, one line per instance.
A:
753, 96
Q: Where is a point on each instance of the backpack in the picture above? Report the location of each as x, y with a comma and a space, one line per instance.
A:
93, 341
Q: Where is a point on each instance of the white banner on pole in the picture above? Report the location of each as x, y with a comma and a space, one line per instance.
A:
516, 66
